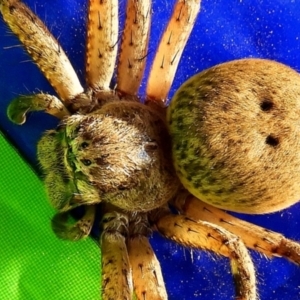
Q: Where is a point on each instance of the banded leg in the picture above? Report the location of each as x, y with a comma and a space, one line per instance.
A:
208, 236
170, 49
102, 38
255, 237
42, 47
116, 271
133, 51
146, 272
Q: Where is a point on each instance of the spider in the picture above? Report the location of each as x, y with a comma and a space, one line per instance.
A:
80, 191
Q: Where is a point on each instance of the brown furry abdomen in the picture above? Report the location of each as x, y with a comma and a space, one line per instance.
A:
236, 134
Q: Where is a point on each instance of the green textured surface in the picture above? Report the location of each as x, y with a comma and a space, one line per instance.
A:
34, 263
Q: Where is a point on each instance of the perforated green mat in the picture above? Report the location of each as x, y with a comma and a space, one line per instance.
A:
34, 263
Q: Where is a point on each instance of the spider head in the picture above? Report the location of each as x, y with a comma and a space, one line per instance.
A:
66, 186
119, 154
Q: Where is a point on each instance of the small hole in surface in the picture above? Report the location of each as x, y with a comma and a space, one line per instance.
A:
272, 141
266, 105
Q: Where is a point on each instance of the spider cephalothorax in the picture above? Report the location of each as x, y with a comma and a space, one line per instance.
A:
114, 155
117, 154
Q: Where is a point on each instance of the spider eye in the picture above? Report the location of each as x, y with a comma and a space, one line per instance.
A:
84, 145
86, 162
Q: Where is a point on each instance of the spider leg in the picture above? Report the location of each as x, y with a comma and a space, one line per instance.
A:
255, 237
146, 272
77, 231
116, 271
102, 38
21, 105
208, 236
170, 49
42, 47
133, 51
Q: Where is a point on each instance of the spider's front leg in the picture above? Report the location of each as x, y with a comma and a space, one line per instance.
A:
42, 47
51, 60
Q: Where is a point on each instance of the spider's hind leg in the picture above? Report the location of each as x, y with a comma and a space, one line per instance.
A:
208, 236
255, 237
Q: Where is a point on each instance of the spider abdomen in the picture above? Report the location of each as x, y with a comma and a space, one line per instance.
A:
236, 134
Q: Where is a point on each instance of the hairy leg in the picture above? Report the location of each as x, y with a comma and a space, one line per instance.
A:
42, 47
255, 237
133, 51
116, 271
146, 272
208, 236
170, 49
102, 38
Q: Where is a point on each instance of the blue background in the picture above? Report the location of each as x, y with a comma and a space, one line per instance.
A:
225, 30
